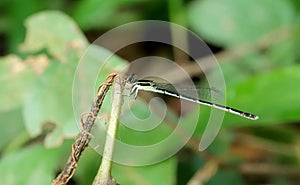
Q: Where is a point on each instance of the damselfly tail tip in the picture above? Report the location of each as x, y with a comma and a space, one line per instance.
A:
255, 117
250, 116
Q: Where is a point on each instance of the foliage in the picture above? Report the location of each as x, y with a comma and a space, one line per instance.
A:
36, 86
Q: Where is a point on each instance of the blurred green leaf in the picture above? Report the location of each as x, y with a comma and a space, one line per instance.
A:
232, 22
61, 36
271, 96
226, 177
32, 165
281, 54
163, 173
152, 131
188, 164
50, 100
17, 12
98, 13
280, 179
153, 128
16, 79
87, 166
221, 144
91, 12
296, 4
11, 126
287, 134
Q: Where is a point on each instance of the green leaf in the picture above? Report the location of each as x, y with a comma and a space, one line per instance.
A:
32, 165
141, 127
97, 13
221, 144
232, 22
11, 126
163, 173
271, 96
50, 100
18, 12
60, 36
226, 177
87, 166
16, 79
142, 136
92, 70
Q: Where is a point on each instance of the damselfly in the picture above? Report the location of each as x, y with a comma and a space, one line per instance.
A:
168, 89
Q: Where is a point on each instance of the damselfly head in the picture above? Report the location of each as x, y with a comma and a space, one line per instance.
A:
132, 78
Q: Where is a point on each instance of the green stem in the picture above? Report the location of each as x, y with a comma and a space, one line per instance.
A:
103, 176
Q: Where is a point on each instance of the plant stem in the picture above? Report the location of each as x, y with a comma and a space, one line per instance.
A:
103, 176
84, 137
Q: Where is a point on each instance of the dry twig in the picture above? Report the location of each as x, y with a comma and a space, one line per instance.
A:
84, 137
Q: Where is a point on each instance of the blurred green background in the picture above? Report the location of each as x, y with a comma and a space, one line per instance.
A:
255, 41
